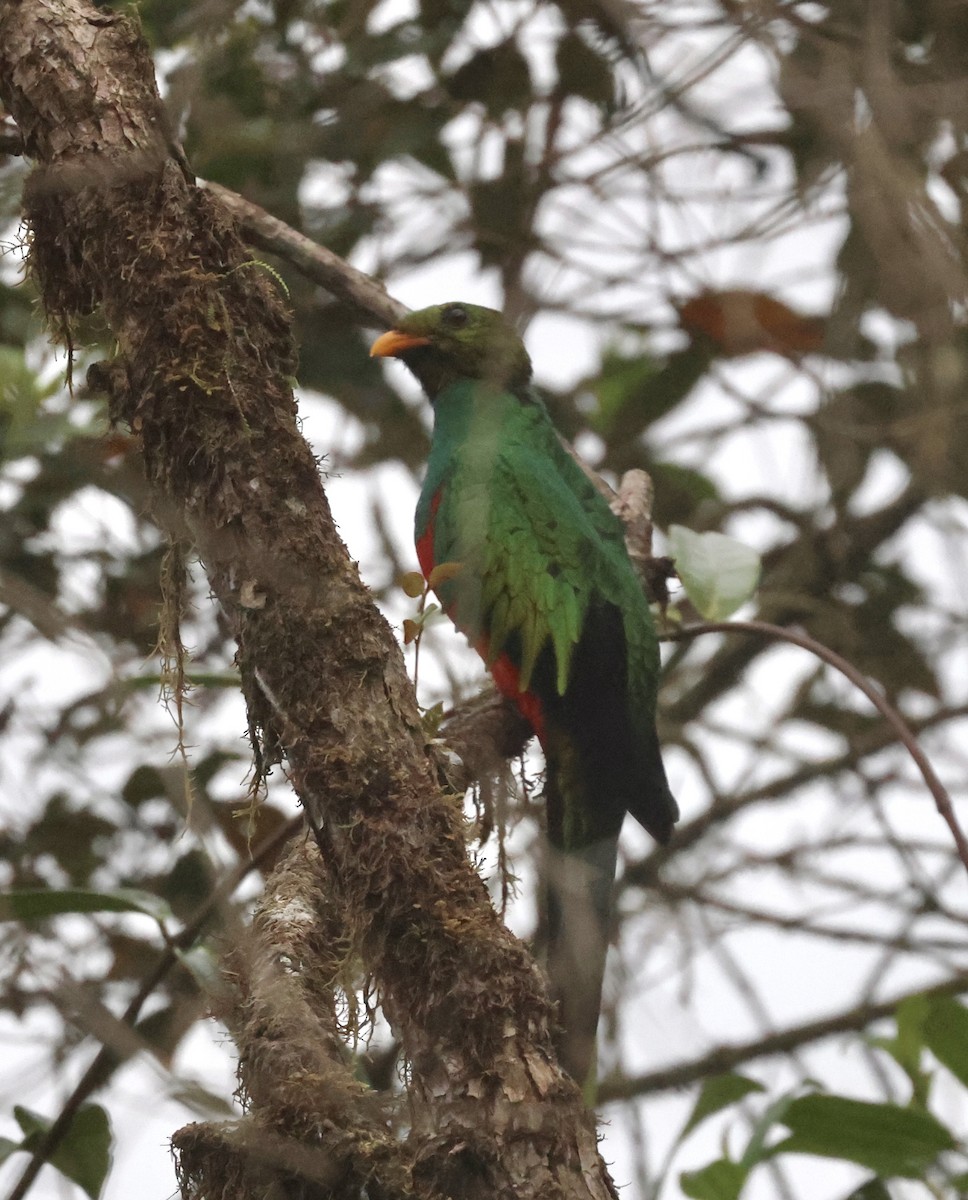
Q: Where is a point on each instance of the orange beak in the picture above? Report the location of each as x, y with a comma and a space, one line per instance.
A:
391, 343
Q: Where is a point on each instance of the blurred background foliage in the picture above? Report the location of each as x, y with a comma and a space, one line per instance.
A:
735, 233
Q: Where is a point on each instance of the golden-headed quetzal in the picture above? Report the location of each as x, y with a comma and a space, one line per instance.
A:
547, 595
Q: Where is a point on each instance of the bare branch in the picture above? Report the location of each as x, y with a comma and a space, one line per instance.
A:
884, 707
365, 296
728, 1058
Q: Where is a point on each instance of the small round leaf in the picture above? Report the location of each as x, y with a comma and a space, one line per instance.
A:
718, 573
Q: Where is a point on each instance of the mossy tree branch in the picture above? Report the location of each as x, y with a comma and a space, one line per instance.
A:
204, 352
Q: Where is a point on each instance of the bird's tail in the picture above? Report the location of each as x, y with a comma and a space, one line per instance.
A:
579, 884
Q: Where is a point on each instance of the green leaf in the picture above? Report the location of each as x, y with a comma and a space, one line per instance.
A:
584, 71
886, 1138
30, 1122
84, 1153
946, 1035
634, 392
679, 491
7, 1147
718, 1092
499, 78
430, 720
144, 783
718, 573
620, 389
38, 904
24, 426
721, 1180
873, 1189
502, 207
757, 1150
694, 484
906, 1047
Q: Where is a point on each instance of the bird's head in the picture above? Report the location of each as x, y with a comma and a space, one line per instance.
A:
457, 341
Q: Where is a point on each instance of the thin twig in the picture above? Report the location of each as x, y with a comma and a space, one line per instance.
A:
728, 1058
99, 1070
884, 707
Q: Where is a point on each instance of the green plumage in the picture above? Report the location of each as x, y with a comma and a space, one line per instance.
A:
547, 593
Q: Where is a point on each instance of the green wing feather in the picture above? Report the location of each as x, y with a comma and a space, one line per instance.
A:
539, 544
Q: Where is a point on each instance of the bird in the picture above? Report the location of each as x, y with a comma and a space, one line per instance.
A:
541, 584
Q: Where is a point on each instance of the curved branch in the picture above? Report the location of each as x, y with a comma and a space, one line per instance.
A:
862, 683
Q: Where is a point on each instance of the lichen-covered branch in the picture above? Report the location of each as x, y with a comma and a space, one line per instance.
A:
307, 1117
204, 352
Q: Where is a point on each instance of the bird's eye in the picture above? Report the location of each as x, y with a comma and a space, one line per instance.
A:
454, 316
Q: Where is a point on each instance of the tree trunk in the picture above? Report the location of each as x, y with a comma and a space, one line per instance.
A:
117, 224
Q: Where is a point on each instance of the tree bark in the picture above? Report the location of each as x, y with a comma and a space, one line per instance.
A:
204, 351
